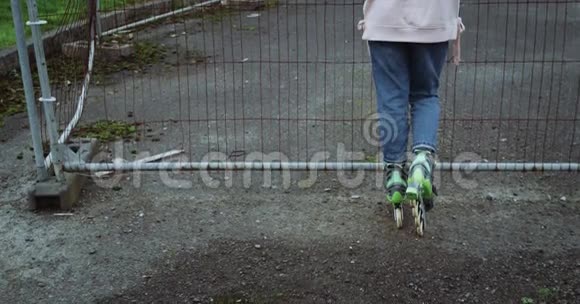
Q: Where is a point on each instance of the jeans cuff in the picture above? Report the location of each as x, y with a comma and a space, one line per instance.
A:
424, 147
400, 161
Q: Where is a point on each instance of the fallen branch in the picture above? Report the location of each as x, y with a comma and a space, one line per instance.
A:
148, 159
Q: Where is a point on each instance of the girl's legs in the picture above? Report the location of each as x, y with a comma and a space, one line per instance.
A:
390, 64
408, 74
427, 61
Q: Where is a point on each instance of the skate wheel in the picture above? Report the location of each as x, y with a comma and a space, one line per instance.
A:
420, 220
416, 212
414, 207
399, 217
421, 228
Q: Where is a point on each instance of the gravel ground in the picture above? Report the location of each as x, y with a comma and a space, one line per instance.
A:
174, 237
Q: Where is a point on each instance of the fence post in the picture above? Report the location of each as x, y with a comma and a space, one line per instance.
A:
33, 118
48, 101
98, 20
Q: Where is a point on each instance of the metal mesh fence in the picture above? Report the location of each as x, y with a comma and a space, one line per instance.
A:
294, 77
67, 33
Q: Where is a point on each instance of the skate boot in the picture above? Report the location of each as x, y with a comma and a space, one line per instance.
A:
420, 191
396, 185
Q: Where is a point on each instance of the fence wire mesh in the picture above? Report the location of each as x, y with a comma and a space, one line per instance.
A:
69, 28
294, 77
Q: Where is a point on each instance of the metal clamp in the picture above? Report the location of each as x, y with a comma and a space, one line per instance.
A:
50, 99
38, 22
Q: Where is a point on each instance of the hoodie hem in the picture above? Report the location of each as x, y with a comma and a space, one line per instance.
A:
408, 34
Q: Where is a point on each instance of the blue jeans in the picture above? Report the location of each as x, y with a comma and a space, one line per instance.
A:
406, 76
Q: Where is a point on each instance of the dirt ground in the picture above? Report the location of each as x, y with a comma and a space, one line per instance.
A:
513, 236
171, 237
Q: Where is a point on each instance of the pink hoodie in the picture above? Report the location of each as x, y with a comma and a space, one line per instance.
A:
420, 21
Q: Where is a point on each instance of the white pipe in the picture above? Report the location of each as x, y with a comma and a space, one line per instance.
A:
159, 17
305, 166
80, 101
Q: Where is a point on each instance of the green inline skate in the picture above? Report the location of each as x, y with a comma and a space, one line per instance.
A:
420, 190
396, 186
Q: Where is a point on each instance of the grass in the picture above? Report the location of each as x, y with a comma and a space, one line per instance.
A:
145, 54
526, 300
63, 70
248, 28
107, 130
57, 13
62, 12
212, 14
6, 26
544, 295
271, 3
371, 158
12, 97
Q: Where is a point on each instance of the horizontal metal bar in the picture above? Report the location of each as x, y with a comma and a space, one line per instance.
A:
308, 166
38, 22
50, 99
159, 17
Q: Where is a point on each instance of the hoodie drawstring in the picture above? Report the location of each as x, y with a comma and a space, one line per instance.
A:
457, 43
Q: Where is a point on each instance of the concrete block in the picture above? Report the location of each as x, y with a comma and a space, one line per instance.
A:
75, 49
108, 51
52, 194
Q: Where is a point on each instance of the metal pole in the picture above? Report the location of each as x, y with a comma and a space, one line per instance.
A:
98, 19
307, 166
33, 118
160, 17
48, 101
